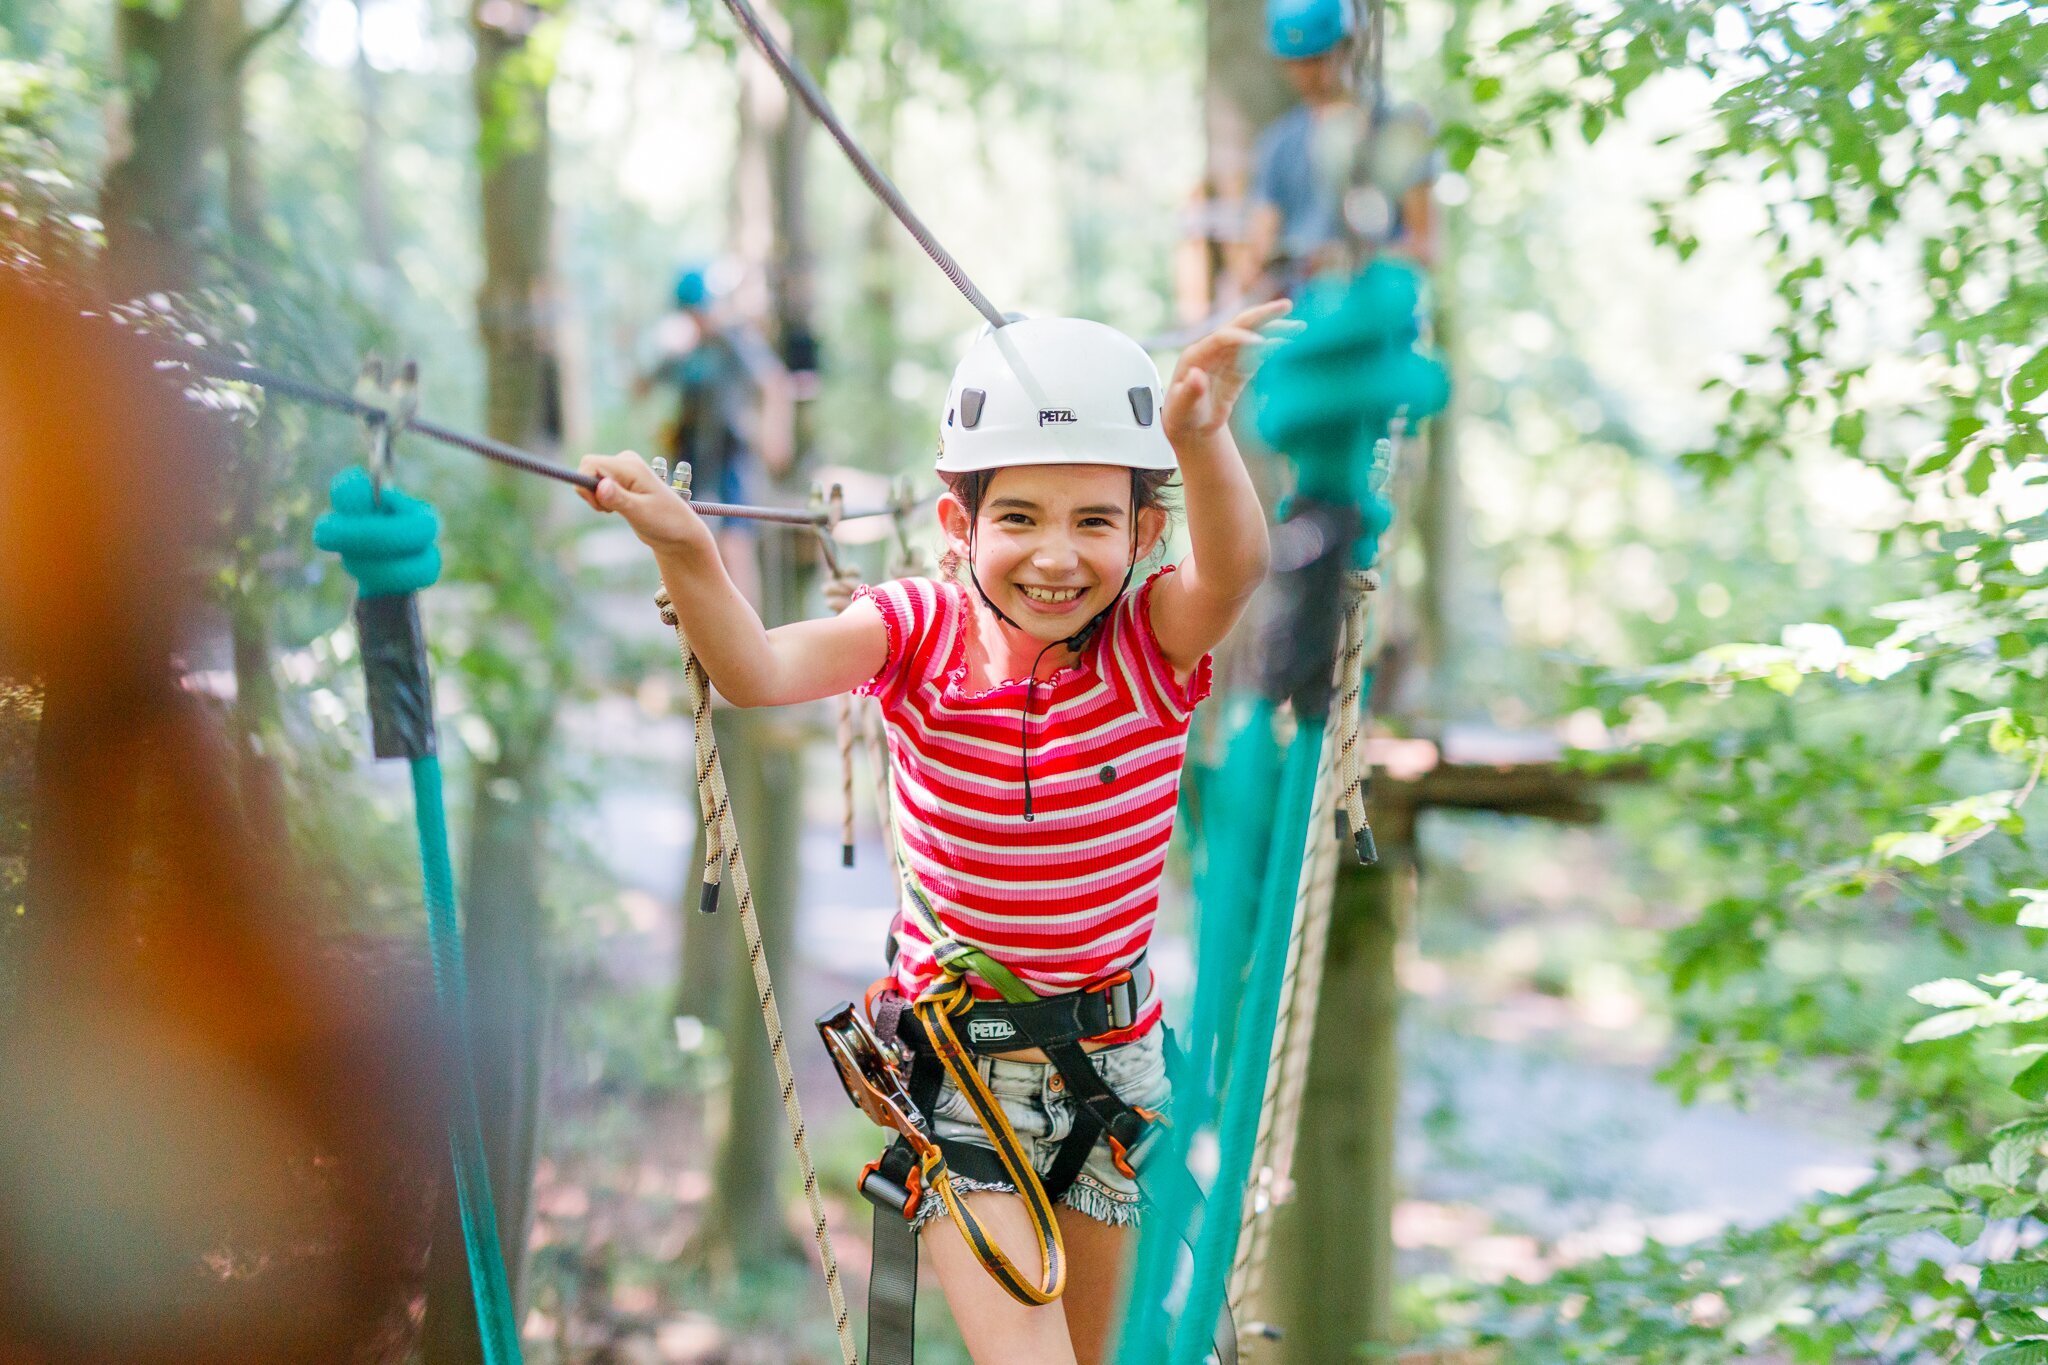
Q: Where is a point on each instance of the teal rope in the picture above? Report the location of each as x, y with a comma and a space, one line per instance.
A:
497, 1322
1228, 874
1325, 399
1251, 1054
386, 542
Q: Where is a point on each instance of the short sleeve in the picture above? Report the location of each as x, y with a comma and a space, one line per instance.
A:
1138, 642
1265, 167
909, 606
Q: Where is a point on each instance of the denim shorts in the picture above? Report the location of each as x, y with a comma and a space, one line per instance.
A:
1033, 1097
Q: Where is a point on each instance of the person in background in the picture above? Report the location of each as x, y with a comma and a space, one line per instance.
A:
734, 418
1309, 164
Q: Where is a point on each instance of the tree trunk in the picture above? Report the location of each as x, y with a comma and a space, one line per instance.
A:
1330, 1285
744, 1229
372, 211
155, 197
876, 343
1243, 92
503, 911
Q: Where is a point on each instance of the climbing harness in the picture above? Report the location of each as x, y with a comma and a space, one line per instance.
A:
894, 1056
386, 542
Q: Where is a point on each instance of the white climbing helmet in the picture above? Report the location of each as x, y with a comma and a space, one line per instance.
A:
1054, 391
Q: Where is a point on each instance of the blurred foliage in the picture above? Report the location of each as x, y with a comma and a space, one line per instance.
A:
1865, 777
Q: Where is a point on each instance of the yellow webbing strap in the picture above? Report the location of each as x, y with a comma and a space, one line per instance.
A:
934, 1010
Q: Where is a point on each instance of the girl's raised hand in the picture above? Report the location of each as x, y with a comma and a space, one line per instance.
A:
1212, 372
657, 513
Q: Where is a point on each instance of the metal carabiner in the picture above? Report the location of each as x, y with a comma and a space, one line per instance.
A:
396, 403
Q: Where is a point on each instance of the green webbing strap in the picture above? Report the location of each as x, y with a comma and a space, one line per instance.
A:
958, 957
386, 542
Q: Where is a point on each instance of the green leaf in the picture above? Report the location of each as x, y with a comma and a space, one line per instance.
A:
2011, 1159
1944, 1025
1973, 1177
1964, 1229
2032, 1084
2030, 381
2030, 1352
2014, 1205
2015, 1277
1911, 1197
1900, 846
2016, 1322
1897, 1224
2033, 1130
1950, 993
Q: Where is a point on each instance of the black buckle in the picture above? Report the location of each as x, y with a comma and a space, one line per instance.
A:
1123, 999
883, 1192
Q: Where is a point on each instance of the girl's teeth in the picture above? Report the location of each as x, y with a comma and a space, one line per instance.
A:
1049, 595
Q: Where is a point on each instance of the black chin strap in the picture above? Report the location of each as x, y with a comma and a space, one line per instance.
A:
1075, 642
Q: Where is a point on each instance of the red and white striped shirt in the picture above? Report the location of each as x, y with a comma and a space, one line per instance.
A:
1069, 897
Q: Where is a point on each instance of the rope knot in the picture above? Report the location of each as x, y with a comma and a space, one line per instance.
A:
385, 542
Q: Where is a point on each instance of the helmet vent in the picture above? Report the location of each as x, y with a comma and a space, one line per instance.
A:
1141, 405
970, 407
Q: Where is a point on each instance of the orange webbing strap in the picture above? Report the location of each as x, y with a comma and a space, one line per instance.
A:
934, 1010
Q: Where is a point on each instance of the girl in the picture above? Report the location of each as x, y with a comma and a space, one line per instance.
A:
1037, 719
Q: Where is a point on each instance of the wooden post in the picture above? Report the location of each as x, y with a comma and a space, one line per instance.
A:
1330, 1287
1333, 1249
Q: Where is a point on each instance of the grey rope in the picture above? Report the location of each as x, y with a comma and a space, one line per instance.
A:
805, 89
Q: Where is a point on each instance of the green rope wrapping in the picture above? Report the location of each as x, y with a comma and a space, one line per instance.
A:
386, 542
1327, 400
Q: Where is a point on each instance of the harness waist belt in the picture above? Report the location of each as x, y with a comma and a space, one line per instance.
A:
1001, 1026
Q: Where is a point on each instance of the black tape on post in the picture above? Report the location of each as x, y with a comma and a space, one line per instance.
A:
395, 669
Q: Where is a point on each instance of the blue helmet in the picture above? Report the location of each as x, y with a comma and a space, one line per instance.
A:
693, 289
1306, 28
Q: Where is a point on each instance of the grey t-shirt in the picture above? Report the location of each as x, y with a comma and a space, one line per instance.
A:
1300, 167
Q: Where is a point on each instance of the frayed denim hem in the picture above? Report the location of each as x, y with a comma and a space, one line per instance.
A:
1084, 1196
1104, 1206
932, 1204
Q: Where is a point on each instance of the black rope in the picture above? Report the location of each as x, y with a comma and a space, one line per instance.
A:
271, 381
805, 89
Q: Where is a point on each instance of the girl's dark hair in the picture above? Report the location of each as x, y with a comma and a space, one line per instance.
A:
1148, 488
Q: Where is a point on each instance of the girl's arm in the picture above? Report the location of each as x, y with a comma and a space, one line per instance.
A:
749, 664
1193, 610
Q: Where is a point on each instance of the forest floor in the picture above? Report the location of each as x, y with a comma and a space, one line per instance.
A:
1533, 1132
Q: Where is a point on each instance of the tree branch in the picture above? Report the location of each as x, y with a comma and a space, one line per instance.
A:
257, 37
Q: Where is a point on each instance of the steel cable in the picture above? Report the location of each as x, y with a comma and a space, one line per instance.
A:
272, 381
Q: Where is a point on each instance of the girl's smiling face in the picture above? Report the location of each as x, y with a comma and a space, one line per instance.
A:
1051, 544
